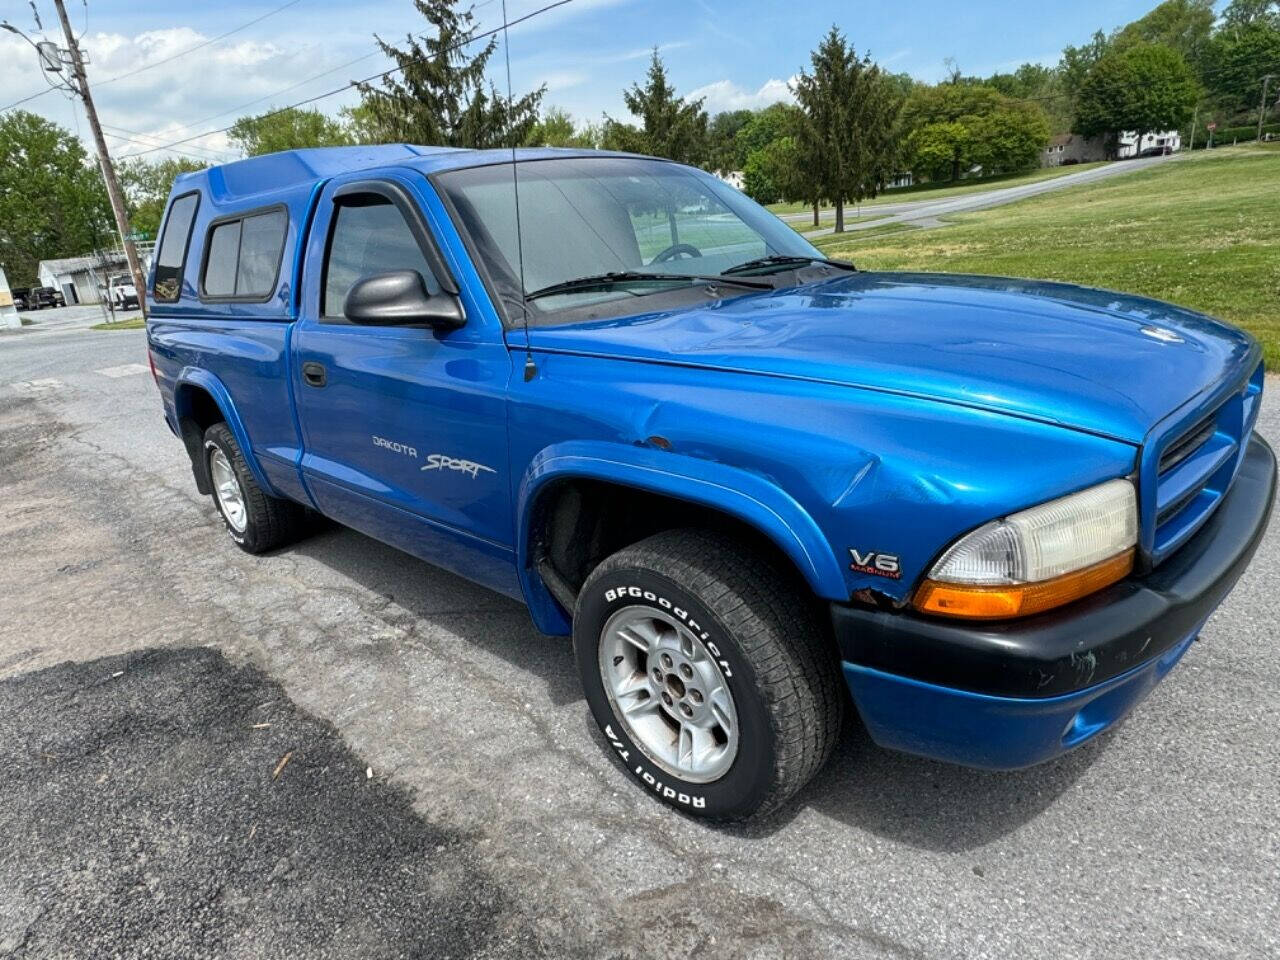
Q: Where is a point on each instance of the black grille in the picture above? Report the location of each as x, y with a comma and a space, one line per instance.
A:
1186, 445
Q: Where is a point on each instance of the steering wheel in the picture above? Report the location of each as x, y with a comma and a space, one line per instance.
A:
677, 250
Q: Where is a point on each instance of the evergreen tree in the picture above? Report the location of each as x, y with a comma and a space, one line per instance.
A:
669, 126
439, 97
846, 142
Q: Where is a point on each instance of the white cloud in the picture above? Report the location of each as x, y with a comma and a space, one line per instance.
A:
727, 95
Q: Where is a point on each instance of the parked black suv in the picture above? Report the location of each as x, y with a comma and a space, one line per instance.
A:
41, 297
21, 296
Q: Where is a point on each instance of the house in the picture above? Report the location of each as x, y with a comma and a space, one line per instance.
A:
84, 279
1069, 148
1170, 142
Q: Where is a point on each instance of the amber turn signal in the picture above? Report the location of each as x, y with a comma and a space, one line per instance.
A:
1022, 599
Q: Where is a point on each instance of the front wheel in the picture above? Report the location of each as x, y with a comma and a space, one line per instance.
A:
707, 674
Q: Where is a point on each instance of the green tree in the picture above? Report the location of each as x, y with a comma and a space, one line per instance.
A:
765, 126
288, 129
147, 184
52, 201
1029, 80
555, 128
669, 126
1243, 13
773, 172
1010, 139
439, 95
361, 124
724, 152
940, 150
1144, 89
952, 127
1181, 25
1235, 62
1077, 62
846, 146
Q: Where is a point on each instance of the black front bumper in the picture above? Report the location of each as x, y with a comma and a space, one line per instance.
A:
1089, 641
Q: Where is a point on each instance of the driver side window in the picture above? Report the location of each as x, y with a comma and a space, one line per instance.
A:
369, 235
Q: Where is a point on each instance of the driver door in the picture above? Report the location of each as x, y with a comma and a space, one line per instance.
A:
404, 427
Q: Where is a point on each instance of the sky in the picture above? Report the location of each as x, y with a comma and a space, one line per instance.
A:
733, 53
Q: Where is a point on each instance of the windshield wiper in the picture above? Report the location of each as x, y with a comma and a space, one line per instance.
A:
602, 280
784, 260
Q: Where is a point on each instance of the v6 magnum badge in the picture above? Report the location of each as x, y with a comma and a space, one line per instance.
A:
875, 563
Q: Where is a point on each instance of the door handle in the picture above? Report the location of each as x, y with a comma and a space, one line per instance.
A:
313, 373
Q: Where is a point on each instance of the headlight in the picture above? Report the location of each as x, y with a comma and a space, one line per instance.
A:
1037, 559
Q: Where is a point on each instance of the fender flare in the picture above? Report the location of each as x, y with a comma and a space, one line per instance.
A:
749, 497
202, 379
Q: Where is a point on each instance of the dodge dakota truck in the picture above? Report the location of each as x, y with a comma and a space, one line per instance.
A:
760, 488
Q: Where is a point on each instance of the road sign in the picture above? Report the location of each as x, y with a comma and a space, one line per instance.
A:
139, 235
1212, 126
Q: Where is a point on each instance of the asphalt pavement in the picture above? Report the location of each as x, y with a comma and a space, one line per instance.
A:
928, 213
1156, 840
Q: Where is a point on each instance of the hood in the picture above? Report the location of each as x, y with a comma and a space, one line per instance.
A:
1089, 359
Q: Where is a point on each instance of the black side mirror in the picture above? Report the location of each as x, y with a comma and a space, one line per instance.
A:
399, 299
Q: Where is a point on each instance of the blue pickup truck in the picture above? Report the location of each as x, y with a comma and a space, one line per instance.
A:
757, 486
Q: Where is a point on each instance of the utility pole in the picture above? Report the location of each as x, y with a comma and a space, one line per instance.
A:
1262, 107
1195, 120
81, 83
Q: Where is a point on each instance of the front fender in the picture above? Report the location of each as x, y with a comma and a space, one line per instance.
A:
202, 379
749, 497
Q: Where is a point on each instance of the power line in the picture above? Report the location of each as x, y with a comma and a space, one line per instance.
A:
294, 86
150, 141
169, 59
199, 46
154, 138
273, 95
355, 83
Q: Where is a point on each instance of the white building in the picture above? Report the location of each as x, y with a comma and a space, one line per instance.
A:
1170, 141
732, 177
84, 279
79, 279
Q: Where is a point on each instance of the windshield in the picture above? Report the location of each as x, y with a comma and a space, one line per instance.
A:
590, 216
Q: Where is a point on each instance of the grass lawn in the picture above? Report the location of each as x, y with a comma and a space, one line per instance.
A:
1202, 231
133, 323
939, 191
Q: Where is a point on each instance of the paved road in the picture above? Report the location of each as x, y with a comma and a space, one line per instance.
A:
926, 213
1157, 840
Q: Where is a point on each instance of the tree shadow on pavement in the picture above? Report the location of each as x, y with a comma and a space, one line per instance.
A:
908, 799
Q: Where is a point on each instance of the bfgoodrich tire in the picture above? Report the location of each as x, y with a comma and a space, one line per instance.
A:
255, 521
707, 673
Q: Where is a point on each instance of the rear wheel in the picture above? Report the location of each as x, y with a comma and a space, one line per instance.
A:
707, 673
255, 521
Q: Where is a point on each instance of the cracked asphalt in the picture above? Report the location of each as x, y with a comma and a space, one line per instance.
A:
494, 823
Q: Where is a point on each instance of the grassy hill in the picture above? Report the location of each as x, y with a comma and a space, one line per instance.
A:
1202, 231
